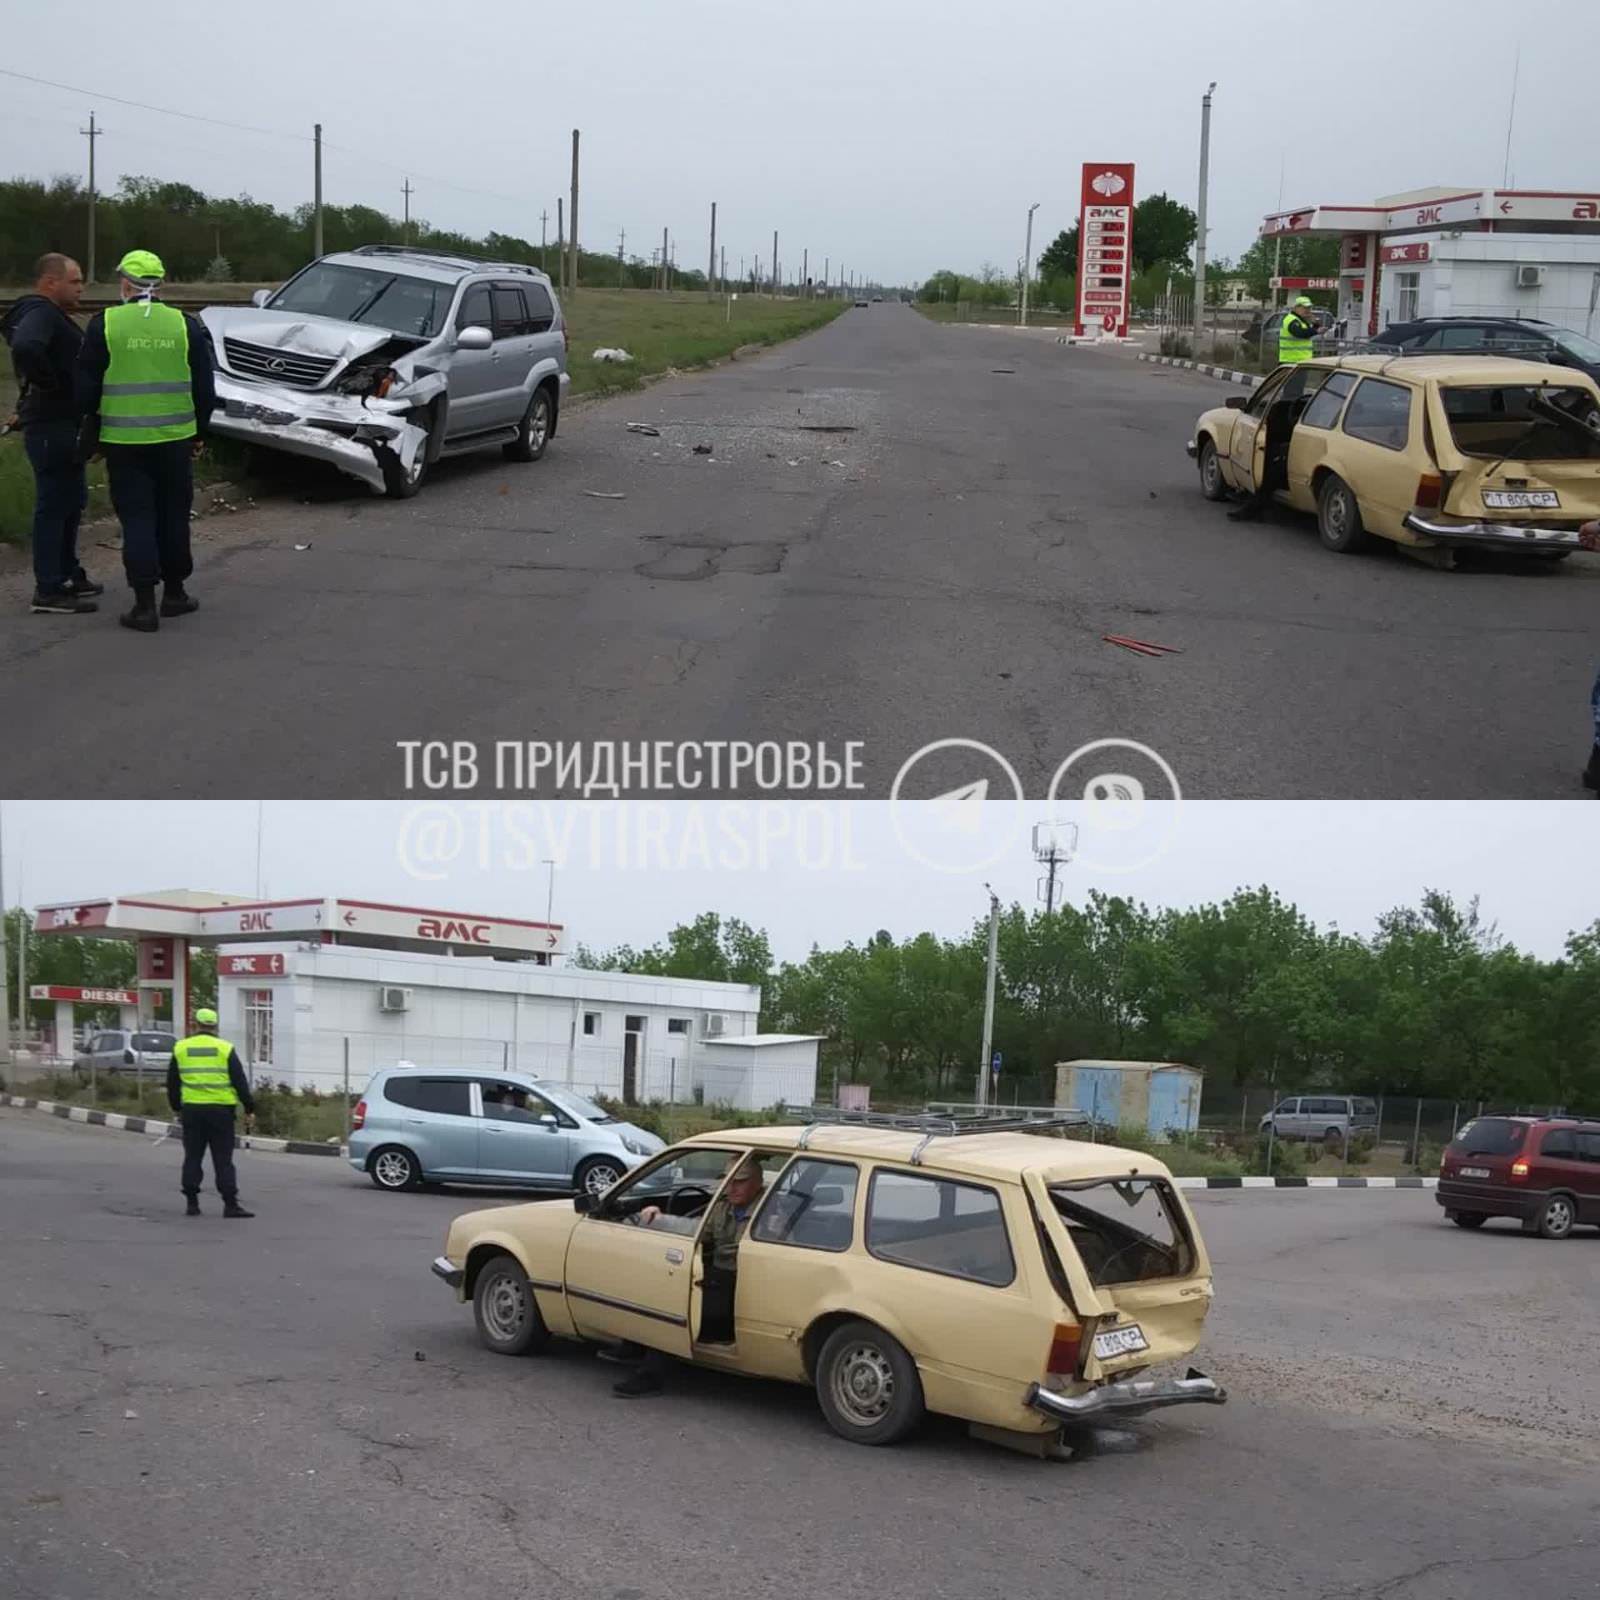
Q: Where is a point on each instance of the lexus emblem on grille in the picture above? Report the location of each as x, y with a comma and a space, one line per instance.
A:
277, 364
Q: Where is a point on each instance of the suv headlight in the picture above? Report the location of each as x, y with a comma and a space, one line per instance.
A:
374, 382
635, 1147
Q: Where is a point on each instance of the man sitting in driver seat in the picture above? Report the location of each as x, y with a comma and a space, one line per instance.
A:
730, 1216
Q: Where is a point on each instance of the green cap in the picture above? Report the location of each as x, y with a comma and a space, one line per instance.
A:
143, 266
206, 1017
1302, 299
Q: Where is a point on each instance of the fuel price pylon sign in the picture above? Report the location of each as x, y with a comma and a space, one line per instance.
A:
1105, 249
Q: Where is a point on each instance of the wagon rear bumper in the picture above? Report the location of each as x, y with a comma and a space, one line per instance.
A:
1128, 1399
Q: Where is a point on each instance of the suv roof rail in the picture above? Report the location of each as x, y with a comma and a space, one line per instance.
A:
932, 1125
463, 256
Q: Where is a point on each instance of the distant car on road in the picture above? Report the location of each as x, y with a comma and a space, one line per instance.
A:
417, 1125
1328, 1117
1015, 1281
385, 359
1427, 451
1522, 337
861, 302
877, 299
125, 1050
1544, 1171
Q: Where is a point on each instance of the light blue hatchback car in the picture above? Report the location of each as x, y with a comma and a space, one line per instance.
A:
417, 1125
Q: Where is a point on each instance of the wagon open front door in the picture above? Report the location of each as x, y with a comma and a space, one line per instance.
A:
628, 1280
1247, 453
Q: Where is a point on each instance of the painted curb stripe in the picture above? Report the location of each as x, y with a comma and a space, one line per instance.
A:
117, 1119
1248, 379
302, 1147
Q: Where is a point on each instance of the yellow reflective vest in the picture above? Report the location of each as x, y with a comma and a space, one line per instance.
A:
203, 1071
1290, 348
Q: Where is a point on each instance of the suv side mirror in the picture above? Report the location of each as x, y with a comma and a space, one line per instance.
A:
476, 337
260, 297
584, 1204
1237, 402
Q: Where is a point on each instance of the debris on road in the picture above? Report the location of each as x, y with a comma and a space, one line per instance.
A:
418, 1356
611, 353
130, 1416
604, 494
1141, 647
1007, 370
644, 427
702, 449
302, 547
794, 463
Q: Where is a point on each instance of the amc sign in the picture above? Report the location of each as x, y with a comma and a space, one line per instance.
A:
448, 931
268, 966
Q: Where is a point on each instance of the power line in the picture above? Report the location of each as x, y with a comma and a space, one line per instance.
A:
247, 127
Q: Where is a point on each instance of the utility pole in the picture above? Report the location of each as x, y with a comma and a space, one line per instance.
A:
1200, 220
7, 1059
316, 225
91, 133
622, 240
561, 243
826, 279
1027, 263
774, 263
711, 271
1053, 844
988, 999
407, 191
722, 277
663, 261
572, 227
544, 261
805, 272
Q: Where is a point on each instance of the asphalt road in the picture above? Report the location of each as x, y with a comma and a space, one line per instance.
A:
944, 568
193, 1408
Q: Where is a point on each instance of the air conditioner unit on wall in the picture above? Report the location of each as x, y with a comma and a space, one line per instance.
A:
393, 999
1529, 277
715, 1022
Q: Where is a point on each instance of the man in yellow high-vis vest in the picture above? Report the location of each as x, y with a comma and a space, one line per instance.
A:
205, 1081
145, 388
1296, 331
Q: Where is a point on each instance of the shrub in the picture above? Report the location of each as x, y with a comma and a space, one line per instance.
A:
220, 270
1175, 344
1286, 1161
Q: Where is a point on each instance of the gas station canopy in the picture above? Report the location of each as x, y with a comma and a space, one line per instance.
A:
208, 919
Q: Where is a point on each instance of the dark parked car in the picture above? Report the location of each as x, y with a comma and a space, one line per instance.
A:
1512, 336
1544, 1171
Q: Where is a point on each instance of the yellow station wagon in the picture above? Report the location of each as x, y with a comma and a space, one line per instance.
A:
969, 1267
1433, 452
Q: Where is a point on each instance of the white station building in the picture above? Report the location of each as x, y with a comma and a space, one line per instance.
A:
312, 990
1460, 252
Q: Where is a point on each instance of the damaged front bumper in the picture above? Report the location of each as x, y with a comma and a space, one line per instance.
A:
1500, 535
1127, 1399
343, 430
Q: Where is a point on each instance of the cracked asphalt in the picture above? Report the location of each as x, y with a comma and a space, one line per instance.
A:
295, 1406
903, 532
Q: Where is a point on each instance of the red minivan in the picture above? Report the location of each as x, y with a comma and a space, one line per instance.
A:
1545, 1171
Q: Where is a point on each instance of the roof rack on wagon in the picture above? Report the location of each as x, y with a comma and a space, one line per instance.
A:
932, 1125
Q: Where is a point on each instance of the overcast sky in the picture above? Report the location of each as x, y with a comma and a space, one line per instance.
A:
893, 137
824, 873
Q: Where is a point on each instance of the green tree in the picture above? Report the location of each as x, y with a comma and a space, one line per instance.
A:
1163, 231
1297, 257
1059, 258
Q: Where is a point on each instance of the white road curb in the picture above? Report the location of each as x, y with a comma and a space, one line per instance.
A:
127, 1124
1227, 374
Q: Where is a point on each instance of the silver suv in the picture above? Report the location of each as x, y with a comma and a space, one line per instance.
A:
142, 1050
418, 1125
385, 359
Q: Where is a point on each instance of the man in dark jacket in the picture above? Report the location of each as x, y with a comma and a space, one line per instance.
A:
44, 344
146, 390
205, 1081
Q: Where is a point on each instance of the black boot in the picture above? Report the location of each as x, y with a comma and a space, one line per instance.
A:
193, 1208
640, 1382
1591, 773
234, 1209
176, 601
143, 618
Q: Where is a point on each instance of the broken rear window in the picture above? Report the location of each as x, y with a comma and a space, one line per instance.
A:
1531, 422
376, 297
1126, 1230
